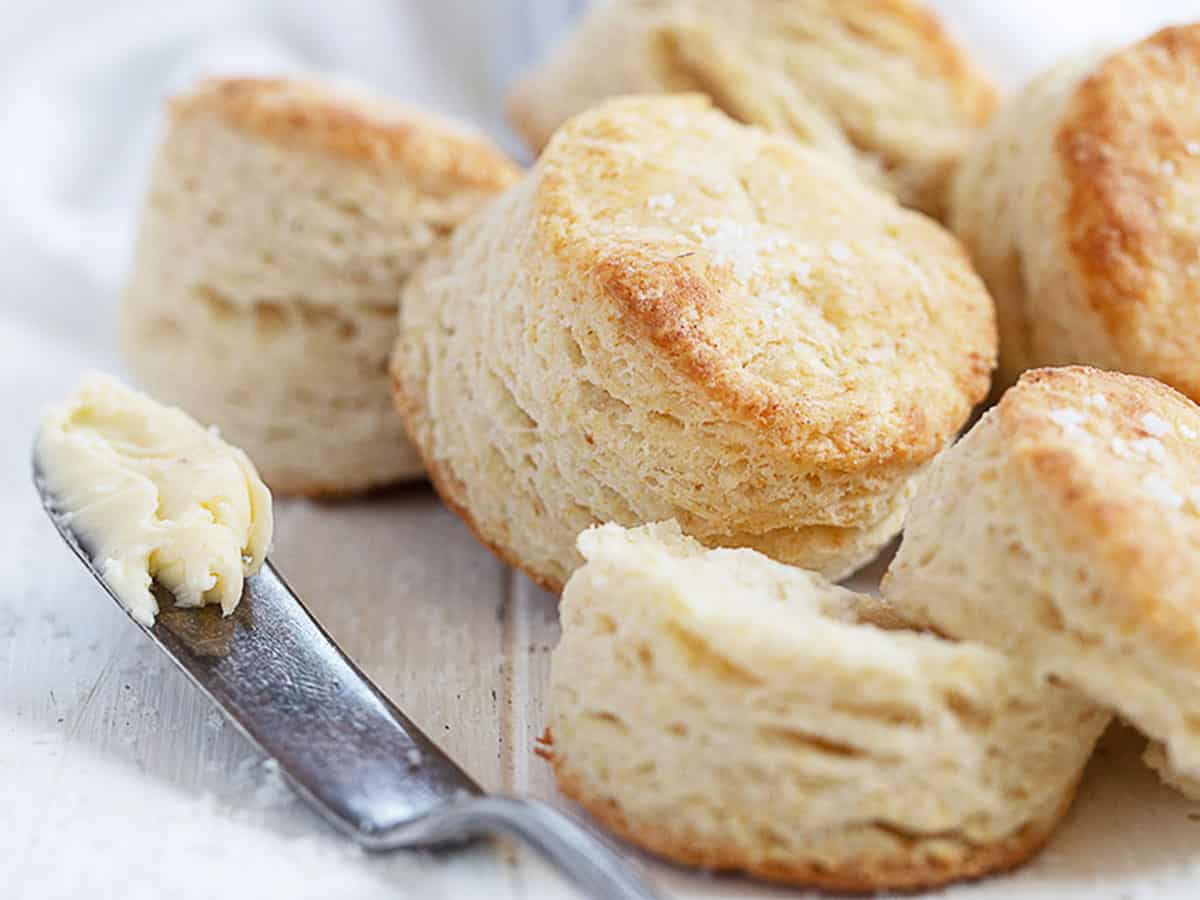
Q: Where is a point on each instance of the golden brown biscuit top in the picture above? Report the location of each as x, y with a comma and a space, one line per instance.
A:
1115, 460
1129, 146
800, 298
440, 153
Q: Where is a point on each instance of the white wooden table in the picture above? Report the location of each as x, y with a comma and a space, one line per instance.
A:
116, 779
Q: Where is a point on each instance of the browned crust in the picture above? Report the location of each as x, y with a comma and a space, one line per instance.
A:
377, 132
667, 303
1111, 146
902, 874
451, 493
681, 310
1152, 582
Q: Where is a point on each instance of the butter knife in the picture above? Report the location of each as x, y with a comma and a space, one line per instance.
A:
342, 745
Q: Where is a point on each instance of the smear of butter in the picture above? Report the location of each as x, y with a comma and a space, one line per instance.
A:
154, 496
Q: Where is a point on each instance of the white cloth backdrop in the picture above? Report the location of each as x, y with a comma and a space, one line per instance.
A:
81, 85
80, 90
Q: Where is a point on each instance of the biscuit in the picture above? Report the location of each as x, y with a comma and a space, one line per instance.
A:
1078, 205
877, 83
677, 316
1064, 529
281, 220
726, 711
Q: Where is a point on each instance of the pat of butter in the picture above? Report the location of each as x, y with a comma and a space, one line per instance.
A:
154, 496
